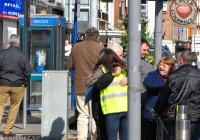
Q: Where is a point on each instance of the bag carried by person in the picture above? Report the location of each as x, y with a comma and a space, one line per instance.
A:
91, 79
147, 114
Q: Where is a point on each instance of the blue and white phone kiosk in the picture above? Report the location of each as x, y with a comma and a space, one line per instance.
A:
46, 35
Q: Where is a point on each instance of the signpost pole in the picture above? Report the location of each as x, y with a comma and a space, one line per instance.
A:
158, 32
93, 13
134, 72
74, 42
26, 24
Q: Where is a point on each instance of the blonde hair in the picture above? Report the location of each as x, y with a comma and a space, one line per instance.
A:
168, 61
115, 47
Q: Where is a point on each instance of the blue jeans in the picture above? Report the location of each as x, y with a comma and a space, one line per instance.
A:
195, 131
116, 123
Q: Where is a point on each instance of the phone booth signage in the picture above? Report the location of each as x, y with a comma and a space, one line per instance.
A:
46, 36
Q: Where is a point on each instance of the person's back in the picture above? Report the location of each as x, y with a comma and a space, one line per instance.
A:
184, 84
183, 88
15, 71
82, 59
12, 62
85, 55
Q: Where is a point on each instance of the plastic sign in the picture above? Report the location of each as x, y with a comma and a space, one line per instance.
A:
195, 43
190, 31
183, 12
41, 57
11, 8
180, 30
44, 21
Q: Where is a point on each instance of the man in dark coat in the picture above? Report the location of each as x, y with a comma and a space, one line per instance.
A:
15, 71
183, 86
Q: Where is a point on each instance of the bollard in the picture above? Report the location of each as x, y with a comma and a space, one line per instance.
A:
181, 112
182, 129
182, 123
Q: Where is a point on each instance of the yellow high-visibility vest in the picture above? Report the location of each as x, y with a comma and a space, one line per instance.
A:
114, 97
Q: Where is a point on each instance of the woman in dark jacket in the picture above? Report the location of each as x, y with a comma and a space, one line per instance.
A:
102, 83
154, 82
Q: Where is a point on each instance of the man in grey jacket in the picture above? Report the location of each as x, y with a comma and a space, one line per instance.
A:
146, 67
15, 71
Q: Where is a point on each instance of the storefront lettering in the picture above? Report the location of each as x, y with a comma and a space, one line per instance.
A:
10, 13
41, 21
13, 13
12, 5
188, 1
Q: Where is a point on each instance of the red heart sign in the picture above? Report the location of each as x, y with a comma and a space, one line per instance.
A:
184, 11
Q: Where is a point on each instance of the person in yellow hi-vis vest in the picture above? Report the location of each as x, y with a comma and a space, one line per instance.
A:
113, 94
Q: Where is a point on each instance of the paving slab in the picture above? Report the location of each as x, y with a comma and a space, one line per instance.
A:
33, 127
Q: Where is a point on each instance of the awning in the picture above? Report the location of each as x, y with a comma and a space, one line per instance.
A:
111, 34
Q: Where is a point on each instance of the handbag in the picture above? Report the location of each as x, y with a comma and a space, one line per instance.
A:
88, 94
150, 103
92, 78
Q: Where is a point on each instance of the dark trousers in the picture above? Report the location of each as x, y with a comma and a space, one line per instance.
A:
101, 129
100, 121
150, 130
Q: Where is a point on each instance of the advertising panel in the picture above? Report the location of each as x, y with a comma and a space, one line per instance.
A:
183, 12
11, 8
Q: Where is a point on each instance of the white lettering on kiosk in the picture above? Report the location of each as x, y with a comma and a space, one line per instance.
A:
41, 21
12, 5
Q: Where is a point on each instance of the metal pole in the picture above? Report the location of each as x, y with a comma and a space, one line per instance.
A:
70, 11
25, 109
74, 42
93, 13
134, 73
158, 32
26, 50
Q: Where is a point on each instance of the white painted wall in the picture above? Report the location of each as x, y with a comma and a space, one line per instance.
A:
111, 13
9, 28
151, 17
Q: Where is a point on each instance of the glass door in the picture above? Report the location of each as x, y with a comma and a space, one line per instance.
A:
41, 53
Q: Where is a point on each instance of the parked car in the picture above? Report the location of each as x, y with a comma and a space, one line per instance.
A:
165, 51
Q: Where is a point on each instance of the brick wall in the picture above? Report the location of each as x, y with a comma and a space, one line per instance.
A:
168, 23
116, 13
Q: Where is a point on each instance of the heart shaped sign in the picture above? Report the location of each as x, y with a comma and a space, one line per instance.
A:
184, 11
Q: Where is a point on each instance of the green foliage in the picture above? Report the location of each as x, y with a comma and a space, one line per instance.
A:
150, 58
125, 20
124, 38
124, 41
145, 35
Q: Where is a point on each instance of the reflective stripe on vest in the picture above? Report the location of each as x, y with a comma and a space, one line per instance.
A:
114, 97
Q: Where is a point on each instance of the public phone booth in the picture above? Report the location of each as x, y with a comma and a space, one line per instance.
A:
46, 37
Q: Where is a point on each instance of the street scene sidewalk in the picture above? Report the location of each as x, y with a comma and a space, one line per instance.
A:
33, 127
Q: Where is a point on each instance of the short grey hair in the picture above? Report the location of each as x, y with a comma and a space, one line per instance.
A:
92, 32
115, 47
14, 40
